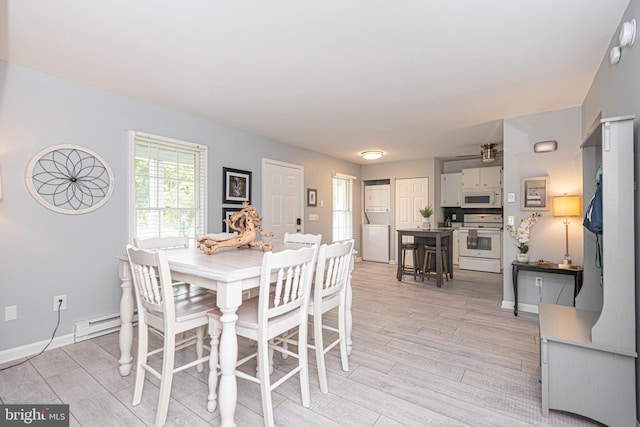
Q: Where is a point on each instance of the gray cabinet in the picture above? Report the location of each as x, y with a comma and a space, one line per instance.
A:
588, 357
450, 194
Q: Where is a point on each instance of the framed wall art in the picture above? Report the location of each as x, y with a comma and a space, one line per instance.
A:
534, 193
236, 186
312, 195
69, 179
226, 214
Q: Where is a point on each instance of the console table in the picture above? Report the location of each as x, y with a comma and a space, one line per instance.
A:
573, 270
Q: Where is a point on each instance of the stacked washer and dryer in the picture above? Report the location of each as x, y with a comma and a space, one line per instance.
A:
375, 233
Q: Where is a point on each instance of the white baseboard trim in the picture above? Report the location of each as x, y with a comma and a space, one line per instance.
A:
527, 308
34, 348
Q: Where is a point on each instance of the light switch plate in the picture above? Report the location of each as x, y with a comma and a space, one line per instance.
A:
511, 197
11, 312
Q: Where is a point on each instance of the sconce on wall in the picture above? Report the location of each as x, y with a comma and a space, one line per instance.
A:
626, 38
545, 146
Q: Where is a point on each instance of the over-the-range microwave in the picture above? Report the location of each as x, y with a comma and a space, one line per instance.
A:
486, 198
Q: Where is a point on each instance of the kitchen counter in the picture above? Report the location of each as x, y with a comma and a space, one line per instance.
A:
432, 237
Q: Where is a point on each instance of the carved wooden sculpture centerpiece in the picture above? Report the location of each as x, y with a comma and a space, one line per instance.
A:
246, 223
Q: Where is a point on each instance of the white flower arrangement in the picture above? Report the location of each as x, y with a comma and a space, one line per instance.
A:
522, 232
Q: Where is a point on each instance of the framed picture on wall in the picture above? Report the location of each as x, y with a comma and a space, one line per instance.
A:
534, 193
236, 186
226, 214
312, 195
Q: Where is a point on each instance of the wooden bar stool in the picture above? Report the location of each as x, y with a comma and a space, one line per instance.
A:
429, 264
413, 247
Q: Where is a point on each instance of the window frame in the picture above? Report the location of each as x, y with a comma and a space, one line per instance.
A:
201, 183
350, 232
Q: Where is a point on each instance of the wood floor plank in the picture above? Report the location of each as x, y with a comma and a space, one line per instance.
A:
421, 356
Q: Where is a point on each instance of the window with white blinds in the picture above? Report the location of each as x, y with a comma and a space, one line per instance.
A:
342, 207
168, 187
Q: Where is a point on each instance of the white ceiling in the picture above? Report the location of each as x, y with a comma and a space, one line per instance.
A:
414, 78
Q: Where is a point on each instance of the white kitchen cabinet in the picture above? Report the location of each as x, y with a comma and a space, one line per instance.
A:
450, 194
478, 178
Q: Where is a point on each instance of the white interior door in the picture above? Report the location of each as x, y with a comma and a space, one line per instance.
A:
411, 195
281, 197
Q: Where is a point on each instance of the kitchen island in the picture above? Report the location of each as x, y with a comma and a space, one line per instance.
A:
437, 238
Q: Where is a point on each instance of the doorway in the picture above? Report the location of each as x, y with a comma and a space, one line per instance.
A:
282, 197
411, 195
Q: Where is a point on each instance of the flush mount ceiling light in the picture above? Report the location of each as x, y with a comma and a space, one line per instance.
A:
488, 152
627, 34
545, 146
371, 155
626, 38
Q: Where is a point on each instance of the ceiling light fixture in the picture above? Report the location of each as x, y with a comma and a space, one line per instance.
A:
488, 152
371, 155
545, 146
627, 34
626, 37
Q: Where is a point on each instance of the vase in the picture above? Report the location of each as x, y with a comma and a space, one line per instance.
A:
522, 257
426, 224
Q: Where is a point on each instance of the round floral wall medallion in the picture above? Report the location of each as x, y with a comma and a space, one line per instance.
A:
69, 179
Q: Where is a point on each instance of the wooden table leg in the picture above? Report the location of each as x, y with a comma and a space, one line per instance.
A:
438, 261
514, 275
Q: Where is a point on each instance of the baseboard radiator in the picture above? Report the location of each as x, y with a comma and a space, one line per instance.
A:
87, 329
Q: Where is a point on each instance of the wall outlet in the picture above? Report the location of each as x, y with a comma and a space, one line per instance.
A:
539, 282
10, 312
56, 302
511, 220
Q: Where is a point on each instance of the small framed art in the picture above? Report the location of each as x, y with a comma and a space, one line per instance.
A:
236, 186
226, 214
312, 195
534, 193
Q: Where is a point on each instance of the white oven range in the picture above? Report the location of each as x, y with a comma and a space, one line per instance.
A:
480, 243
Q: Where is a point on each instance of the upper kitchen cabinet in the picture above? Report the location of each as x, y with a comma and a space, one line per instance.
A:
478, 178
450, 195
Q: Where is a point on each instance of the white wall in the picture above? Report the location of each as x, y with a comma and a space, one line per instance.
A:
45, 253
564, 168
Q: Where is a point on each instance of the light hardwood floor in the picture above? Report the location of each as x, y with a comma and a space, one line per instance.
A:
422, 356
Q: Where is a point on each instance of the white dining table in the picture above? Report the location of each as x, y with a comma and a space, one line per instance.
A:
229, 272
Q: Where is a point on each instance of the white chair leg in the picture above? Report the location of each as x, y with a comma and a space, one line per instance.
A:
199, 343
304, 366
143, 343
319, 344
342, 332
215, 329
265, 383
285, 345
167, 378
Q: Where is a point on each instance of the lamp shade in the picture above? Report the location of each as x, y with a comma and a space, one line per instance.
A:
566, 206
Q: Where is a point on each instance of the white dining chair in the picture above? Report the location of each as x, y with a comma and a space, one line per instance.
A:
169, 243
328, 293
302, 239
282, 305
159, 309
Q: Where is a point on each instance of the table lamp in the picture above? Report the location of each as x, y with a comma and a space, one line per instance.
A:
566, 206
